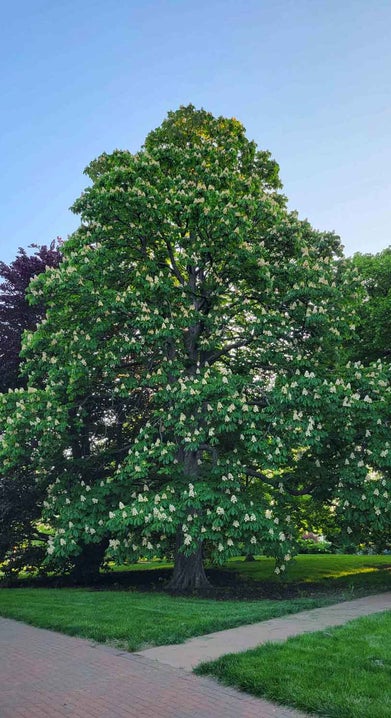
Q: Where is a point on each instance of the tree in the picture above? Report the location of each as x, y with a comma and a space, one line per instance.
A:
189, 284
373, 331
20, 497
16, 314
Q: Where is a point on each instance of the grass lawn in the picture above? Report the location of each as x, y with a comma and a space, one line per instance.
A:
326, 572
331, 570
134, 620
341, 672
304, 567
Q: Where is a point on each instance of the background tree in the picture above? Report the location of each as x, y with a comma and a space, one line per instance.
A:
70, 421
189, 283
20, 496
373, 331
16, 314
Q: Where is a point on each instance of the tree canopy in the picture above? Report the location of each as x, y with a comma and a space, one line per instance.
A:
373, 331
189, 377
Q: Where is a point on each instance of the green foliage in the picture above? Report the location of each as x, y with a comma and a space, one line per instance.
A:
20, 497
311, 546
188, 380
338, 672
372, 340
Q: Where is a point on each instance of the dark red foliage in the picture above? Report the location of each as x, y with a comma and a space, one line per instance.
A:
16, 314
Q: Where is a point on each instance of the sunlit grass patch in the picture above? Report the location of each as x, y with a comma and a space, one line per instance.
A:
342, 672
314, 568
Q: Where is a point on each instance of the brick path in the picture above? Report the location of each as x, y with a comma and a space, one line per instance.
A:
233, 640
48, 675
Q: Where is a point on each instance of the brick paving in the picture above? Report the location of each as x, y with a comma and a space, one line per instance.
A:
233, 640
49, 675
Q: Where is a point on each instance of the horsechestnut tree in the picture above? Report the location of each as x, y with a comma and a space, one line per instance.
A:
191, 289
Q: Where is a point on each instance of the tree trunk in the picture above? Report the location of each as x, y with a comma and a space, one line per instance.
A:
249, 557
88, 562
189, 573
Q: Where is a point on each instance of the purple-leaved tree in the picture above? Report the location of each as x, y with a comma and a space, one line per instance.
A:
16, 314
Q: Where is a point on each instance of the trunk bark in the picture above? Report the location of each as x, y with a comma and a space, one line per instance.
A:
189, 573
88, 562
249, 557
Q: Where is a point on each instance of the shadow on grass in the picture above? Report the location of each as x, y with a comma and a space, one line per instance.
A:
225, 584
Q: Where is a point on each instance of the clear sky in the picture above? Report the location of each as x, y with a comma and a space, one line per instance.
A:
310, 80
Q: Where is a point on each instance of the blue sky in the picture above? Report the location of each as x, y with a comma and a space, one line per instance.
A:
310, 80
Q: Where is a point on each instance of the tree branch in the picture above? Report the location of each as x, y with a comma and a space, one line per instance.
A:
261, 476
274, 482
227, 349
174, 265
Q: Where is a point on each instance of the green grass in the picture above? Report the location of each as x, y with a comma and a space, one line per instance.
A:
331, 571
340, 673
311, 567
325, 573
136, 620
142, 565
133, 620
306, 568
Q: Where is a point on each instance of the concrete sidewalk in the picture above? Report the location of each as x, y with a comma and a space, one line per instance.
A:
234, 640
48, 675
